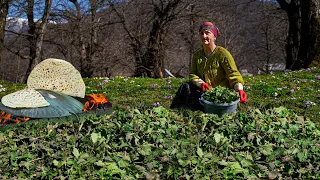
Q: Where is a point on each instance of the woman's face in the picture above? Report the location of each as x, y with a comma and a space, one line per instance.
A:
207, 37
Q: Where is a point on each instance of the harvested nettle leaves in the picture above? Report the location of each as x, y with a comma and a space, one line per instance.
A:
221, 95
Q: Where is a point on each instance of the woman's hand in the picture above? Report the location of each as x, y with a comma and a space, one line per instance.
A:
205, 87
243, 96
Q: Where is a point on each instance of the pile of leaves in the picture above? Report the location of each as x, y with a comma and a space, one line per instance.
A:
221, 95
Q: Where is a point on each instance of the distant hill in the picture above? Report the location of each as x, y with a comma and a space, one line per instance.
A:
18, 25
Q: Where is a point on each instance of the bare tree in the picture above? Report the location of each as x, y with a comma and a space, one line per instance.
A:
36, 31
141, 38
231, 27
85, 27
85, 48
4, 5
304, 28
148, 50
268, 36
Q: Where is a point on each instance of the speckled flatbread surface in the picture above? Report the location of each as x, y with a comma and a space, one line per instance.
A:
26, 98
57, 75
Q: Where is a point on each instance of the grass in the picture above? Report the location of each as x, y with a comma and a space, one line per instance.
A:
297, 90
274, 135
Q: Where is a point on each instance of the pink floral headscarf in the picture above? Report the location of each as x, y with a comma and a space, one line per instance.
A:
209, 26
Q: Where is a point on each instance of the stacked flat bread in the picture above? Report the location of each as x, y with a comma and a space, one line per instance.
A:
51, 74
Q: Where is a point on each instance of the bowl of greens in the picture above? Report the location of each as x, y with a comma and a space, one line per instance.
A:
220, 100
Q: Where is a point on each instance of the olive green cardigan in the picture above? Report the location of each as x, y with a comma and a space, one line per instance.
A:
218, 69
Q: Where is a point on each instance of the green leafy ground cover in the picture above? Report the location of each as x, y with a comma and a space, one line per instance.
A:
275, 135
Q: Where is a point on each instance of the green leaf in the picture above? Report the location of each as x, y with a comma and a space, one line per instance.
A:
217, 137
114, 168
123, 164
223, 163
194, 161
70, 162
145, 150
84, 155
266, 149
25, 164
55, 162
14, 156
140, 168
183, 163
199, 152
94, 137
99, 163
245, 163
137, 111
76, 152
158, 110
302, 156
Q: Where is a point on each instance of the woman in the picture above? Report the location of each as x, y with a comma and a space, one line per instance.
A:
211, 66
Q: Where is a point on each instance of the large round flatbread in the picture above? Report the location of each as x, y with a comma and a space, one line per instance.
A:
26, 98
57, 75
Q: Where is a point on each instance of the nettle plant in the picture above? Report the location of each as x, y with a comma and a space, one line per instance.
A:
221, 95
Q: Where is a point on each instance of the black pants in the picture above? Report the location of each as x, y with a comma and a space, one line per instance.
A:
187, 96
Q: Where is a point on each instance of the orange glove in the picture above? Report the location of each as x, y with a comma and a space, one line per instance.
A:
205, 87
243, 96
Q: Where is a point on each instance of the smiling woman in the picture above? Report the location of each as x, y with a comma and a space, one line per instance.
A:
211, 66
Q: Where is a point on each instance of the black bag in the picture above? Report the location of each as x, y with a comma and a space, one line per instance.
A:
187, 96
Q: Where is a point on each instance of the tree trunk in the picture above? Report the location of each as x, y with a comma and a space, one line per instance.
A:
293, 39
302, 34
4, 5
83, 46
37, 30
88, 47
31, 39
41, 31
152, 60
309, 32
149, 57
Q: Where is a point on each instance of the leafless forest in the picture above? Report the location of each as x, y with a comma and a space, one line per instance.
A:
140, 37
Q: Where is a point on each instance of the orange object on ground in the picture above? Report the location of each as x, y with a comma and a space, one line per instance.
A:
94, 101
5, 118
